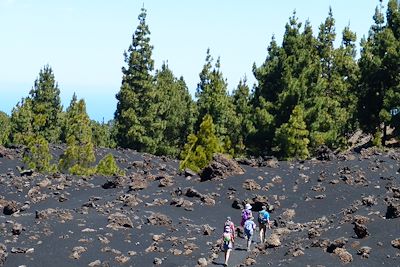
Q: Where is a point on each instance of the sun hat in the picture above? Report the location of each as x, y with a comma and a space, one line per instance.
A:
228, 218
248, 206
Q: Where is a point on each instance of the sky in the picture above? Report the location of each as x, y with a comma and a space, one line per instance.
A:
84, 41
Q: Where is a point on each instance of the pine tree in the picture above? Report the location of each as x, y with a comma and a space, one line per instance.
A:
102, 134
200, 148
21, 122
5, 126
243, 110
379, 66
176, 110
37, 154
46, 106
107, 166
213, 99
292, 137
137, 125
79, 155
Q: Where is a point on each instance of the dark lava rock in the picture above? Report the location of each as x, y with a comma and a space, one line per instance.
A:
11, 207
360, 230
364, 251
220, 167
251, 185
17, 229
396, 243
207, 229
138, 184
190, 192
343, 255
393, 210
3, 254
159, 219
119, 220
325, 153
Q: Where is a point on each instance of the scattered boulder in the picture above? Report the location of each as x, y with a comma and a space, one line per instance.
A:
166, 181
343, 255
3, 254
17, 229
118, 220
364, 252
190, 192
273, 241
207, 229
77, 251
220, 167
393, 210
324, 153
251, 185
249, 261
11, 207
202, 262
159, 219
130, 200
396, 243
138, 184
360, 230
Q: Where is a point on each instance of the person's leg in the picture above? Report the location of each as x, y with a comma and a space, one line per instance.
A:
249, 242
261, 233
227, 254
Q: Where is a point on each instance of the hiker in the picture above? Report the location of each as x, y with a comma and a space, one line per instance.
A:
249, 227
231, 225
246, 213
227, 243
263, 223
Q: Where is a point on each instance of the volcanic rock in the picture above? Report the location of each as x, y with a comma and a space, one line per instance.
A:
251, 185
325, 153
3, 254
17, 229
221, 167
159, 219
343, 255
364, 251
138, 184
273, 241
77, 251
393, 210
202, 262
119, 220
360, 230
11, 207
396, 243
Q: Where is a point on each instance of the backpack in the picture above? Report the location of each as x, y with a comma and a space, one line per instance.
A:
248, 226
261, 218
227, 237
245, 215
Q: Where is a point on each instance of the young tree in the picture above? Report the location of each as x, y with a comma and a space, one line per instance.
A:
21, 122
292, 137
46, 106
243, 110
176, 109
200, 148
137, 125
79, 155
5, 126
213, 99
379, 89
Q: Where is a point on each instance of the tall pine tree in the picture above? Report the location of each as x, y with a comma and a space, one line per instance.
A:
136, 122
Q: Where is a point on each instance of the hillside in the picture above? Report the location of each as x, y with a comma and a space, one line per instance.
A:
156, 215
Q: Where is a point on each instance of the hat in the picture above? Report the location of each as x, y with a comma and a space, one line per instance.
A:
248, 206
228, 218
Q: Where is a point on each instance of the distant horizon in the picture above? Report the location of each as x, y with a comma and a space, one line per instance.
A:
83, 42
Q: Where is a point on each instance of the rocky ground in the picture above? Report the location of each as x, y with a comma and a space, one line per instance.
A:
341, 209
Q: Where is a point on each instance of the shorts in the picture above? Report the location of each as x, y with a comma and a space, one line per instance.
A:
225, 247
248, 233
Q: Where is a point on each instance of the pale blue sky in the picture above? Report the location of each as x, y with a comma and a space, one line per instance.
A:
84, 40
